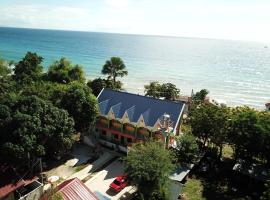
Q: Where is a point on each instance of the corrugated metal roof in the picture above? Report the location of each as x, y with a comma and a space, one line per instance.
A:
11, 181
137, 105
75, 189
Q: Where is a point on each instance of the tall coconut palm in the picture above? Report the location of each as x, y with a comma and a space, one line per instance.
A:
114, 67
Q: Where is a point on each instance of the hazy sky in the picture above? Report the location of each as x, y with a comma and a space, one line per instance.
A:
228, 19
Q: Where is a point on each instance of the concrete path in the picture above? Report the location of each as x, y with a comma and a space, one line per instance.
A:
102, 180
105, 157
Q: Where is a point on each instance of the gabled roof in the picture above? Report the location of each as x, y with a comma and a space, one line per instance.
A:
74, 189
11, 181
136, 105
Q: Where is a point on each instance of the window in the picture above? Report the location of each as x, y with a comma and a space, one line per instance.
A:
115, 136
96, 130
104, 133
129, 140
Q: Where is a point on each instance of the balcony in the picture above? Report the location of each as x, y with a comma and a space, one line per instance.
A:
115, 125
129, 129
102, 122
143, 133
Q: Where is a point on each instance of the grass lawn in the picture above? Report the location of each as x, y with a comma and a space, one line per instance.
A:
193, 189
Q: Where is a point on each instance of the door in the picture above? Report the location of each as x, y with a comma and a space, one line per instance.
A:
122, 140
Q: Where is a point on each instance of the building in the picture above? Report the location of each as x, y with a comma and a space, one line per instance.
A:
72, 189
125, 118
13, 187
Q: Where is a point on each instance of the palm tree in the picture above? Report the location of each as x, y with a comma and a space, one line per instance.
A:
114, 67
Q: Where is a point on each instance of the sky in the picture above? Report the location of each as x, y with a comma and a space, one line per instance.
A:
222, 19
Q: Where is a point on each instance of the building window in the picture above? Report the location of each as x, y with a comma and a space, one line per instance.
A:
129, 140
104, 133
115, 136
96, 130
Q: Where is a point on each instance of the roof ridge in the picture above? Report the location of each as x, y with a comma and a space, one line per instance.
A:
170, 101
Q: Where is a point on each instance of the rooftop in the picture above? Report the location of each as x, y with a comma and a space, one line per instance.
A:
137, 105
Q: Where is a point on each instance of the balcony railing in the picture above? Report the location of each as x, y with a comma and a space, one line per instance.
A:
130, 130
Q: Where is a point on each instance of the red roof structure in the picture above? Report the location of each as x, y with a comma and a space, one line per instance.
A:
75, 189
11, 181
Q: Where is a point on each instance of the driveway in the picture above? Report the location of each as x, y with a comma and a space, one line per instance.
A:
101, 182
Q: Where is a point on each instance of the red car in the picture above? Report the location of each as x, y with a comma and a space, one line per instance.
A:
119, 183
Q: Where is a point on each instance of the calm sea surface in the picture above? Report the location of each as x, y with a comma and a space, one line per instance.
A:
234, 71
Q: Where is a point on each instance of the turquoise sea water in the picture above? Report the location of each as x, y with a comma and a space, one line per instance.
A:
235, 71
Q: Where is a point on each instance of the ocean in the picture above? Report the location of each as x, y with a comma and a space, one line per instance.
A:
237, 72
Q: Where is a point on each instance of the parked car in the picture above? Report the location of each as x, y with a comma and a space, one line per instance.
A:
119, 183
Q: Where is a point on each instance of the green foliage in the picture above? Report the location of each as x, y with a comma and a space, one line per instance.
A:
98, 84
29, 69
187, 148
200, 96
153, 89
249, 127
114, 68
29, 129
62, 71
148, 166
210, 123
5, 69
167, 90
266, 193
81, 104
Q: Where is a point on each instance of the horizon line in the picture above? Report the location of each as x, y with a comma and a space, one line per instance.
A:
134, 34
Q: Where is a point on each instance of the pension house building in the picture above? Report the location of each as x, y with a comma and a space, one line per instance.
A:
125, 118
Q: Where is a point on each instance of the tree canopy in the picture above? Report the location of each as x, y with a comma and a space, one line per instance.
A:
148, 166
210, 124
200, 96
167, 90
115, 67
186, 148
5, 68
29, 69
81, 104
63, 71
29, 129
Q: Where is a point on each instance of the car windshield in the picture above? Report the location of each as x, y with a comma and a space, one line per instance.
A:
116, 182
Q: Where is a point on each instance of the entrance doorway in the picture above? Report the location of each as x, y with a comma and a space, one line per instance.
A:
122, 140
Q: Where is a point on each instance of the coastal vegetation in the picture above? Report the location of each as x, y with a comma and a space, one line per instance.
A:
148, 166
115, 67
167, 91
41, 111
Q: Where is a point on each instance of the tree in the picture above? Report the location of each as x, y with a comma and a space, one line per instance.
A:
148, 166
81, 104
167, 90
245, 131
29, 69
97, 85
210, 123
187, 148
200, 96
114, 68
153, 89
5, 68
264, 124
62, 71
77, 74
32, 127
266, 193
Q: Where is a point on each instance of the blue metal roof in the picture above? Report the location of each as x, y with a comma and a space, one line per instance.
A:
137, 105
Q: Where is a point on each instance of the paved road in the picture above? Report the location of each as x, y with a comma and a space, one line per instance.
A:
104, 178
